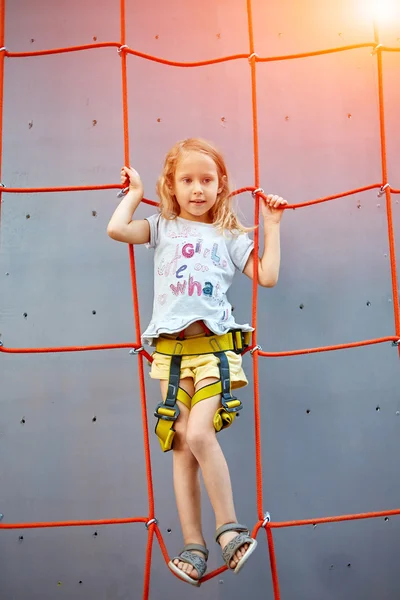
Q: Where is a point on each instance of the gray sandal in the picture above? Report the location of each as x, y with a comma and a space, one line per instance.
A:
242, 538
186, 556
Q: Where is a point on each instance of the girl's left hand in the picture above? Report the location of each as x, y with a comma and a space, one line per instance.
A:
271, 208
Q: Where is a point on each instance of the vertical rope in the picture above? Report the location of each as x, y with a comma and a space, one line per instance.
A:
153, 528
257, 435
2, 58
389, 212
272, 560
257, 415
142, 386
125, 113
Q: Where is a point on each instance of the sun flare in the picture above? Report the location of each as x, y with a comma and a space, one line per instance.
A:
382, 11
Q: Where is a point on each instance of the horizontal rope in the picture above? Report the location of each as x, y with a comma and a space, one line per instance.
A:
43, 190
382, 340
257, 527
70, 188
338, 519
201, 63
253, 58
58, 349
56, 189
55, 349
89, 523
318, 200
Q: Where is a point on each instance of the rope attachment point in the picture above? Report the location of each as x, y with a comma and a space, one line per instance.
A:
119, 50
252, 350
136, 350
267, 519
147, 525
257, 191
253, 55
377, 47
123, 192
3, 49
383, 188
396, 343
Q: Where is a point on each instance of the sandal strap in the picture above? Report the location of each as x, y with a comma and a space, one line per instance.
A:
193, 559
230, 527
198, 548
237, 542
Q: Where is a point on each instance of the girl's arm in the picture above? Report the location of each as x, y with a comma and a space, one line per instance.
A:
269, 263
121, 227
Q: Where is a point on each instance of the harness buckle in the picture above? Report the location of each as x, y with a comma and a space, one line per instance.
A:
167, 413
240, 340
231, 404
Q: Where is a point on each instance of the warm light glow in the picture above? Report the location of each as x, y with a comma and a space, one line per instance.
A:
381, 11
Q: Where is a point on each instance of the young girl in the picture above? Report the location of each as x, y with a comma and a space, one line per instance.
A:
198, 244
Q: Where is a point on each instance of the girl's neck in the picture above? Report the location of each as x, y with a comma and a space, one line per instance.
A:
197, 221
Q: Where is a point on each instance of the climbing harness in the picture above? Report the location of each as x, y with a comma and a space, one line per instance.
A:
168, 411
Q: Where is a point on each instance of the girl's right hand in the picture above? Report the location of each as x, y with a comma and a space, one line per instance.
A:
131, 178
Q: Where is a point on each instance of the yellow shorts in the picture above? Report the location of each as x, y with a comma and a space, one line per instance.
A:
200, 366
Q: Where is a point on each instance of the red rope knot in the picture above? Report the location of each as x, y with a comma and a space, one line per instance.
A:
257, 191
258, 347
377, 47
136, 350
147, 525
267, 519
121, 48
383, 188
253, 55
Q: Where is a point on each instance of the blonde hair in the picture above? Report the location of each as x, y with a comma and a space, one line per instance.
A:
221, 213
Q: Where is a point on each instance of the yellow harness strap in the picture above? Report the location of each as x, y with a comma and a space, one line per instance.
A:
222, 418
165, 426
168, 411
236, 341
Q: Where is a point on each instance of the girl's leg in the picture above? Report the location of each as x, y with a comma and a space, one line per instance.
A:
186, 480
202, 441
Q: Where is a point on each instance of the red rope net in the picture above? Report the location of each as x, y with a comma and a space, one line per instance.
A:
384, 189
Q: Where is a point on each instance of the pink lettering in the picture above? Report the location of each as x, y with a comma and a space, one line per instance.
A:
161, 268
193, 285
180, 288
188, 250
172, 266
199, 267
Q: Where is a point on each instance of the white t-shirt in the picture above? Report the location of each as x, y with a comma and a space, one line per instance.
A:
194, 265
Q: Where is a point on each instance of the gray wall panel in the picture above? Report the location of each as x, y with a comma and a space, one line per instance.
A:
326, 449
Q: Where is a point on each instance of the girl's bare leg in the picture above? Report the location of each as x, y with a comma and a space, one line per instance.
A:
202, 441
186, 480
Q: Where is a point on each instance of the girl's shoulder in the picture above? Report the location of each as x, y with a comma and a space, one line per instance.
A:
154, 222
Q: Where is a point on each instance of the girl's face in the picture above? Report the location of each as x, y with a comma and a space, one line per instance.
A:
196, 186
